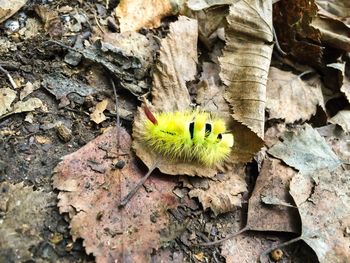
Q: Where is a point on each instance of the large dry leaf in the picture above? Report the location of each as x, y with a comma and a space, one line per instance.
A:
135, 14
324, 205
337, 9
290, 98
342, 118
305, 150
9, 8
246, 60
270, 207
7, 96
23, 212
334, 33
90, 190
177, 65
223, 195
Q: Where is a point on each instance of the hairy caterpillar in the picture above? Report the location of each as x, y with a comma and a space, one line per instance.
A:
191, 135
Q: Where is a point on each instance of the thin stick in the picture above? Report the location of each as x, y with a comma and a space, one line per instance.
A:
217, 242
284, 244
128, 197
280, 50
9, 77
116, 110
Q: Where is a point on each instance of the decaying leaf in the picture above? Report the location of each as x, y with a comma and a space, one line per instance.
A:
272, 184
135, 14
9, 8
7, 96
336, 9
334, 33
23, 214
223, 195
97, 115
28, 105
305, 150
61, 86
134, 45
324, 206
246, 60
52, 22
203, 4
90, 190
296, 36
342, 118
290, 98
177, 65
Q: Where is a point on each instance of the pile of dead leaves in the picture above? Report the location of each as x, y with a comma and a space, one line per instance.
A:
279, 74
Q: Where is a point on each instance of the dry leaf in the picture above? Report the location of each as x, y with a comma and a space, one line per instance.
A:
246, 60
7, 96
97, 115
334, 33
135, 14
345, 88
305, 150
90, 190
336, 9
23, 214
272, 183
296, 36
290, 98
247, 247
28, 105
177, 65
203, 4
223, 195
27, 89
324, 206
9, 8
342, 118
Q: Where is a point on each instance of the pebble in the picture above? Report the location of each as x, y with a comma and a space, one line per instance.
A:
12, 25
64, 133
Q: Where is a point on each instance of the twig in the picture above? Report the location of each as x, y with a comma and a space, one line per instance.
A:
98, 23
116, 110
9, 77
284, 244
217, 242
280, 50
128, 197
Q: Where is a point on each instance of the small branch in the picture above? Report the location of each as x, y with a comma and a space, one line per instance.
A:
116, 110
280, 50
128, 197
217, 242
9, 77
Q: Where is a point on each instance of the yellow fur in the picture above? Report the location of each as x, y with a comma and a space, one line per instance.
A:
171, 136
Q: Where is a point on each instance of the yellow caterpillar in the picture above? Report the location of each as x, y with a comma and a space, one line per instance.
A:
188, 136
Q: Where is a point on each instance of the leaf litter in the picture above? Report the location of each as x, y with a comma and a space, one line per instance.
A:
93, 180
90, 190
